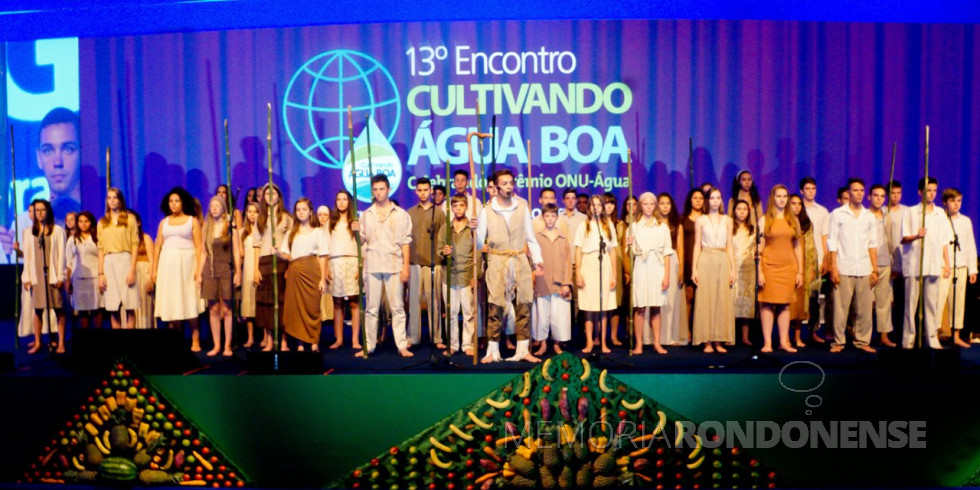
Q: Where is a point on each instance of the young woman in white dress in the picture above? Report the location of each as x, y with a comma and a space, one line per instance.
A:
44, 257
649, 239
344, 287
587, 255
83, 271
177, 274
248, 238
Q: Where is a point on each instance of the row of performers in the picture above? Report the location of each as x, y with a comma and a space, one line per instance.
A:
690, 277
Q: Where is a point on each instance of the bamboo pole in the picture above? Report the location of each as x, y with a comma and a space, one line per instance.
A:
17, 291
922, 245
275, 258
629, 250
357, 236
469, 145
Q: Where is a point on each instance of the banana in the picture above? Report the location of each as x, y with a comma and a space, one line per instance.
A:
101, 446
132, 438
697, 447
527, 384
105, 440
544, 369
602, 382
91, 430
586, 370
661, 423
696, 464
479, 423
96, 419
623, 461
503, 441
436, 461
170, 460
498, 405
442, 447
633, 406
679, 431
204, 462
78, 466
462, 435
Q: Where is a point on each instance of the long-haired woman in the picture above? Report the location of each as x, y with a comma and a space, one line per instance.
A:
83, 271
694, 208
587, 262
177, 274
743, 244
649, 240
344, 286
713, 271
248, 239
799, 308
744, 189
44, 257
609, 208
307, 252
118, 249
673, 322
780, 267
270, 209
219, 267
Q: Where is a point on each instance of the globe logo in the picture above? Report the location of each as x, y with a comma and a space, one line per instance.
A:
314, 109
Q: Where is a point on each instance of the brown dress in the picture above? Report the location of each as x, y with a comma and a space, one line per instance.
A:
778, 264
216, 276
688, 227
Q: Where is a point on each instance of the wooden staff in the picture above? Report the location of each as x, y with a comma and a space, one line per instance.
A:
493, 141
891, 178
479, 131
629, 250
922, 245
449, 259
469, 145
108, 175
17, 292
275, 258
357, 236
367, 127
529, 174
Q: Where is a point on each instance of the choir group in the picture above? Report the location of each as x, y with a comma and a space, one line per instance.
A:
704, 273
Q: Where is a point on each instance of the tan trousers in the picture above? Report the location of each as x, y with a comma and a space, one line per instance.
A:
420, 289
930, 317
883, 300
946, 297
858, 289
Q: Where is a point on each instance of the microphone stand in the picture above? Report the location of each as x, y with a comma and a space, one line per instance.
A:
952, 313
47, 291
596, 356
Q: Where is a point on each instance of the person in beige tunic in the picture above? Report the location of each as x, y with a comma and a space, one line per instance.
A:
505, 227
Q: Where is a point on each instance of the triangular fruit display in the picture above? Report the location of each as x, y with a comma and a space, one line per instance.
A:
562, 425
127, 433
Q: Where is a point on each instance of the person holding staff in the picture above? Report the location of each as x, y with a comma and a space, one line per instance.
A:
649, 238
427, 227
118, 252
460, 277
386, 231
780, 267
177, 275
344, 287
597, 231
930, 245
505, 227
307, 251
248, 237
216, 279
270, 209
44, 257
713, 273
83, 271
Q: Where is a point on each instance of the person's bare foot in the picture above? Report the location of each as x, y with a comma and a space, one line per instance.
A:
766, 348
606, 350
659, 349
440, 345
637, 351
818, 339
228, 353
195, 347
267, 348
557, 348
34, 348
357, 347
249, 344
885, 341
721, 349
510, 345
588, 348
213, 352
359, 353
336, 345
708, 349
616, 342
836, 348
315, 348
530, 358
405, 353
800, 344
746, 342
961, 344
468, 351
299, 348
542, 349
787, 348
866, 348
284, 347
61, 349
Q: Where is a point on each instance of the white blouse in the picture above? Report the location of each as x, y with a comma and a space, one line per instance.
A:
313, 242
589, 242
652, 239
342, 243
713, 236
83, 258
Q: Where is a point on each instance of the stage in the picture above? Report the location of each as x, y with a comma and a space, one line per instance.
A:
308, 430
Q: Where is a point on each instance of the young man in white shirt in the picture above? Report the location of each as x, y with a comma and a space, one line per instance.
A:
820, 218
895, 212
925, 251
387, 233
883, 290
853, 251
963, 249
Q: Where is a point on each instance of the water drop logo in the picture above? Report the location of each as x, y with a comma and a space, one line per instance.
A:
314, 110
383, 160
